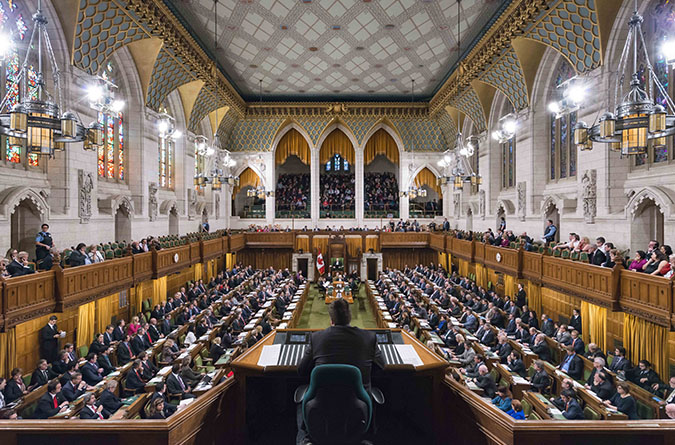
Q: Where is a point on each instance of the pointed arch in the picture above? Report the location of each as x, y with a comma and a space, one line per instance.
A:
248, 176
166, 206
661, 197
380, 141
426, 175
336, 123
12, 197
290, 132
507, 205
336, 141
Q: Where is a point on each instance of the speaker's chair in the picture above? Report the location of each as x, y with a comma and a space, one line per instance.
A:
335, 406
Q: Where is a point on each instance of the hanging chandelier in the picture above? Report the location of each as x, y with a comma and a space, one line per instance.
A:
637, 120
413, 191
202, 147
457, 161
506, 128
37, 118
259, 192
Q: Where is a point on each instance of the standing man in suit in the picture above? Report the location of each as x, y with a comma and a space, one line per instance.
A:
49, 340
49, 404
575, 321
343, 344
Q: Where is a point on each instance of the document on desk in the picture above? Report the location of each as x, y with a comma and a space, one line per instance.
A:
269, 355
409, 355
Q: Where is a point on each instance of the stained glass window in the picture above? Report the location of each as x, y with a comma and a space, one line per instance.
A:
166, 159
111, 154
563, 152
658, 26
337, 164
508, 149
12, 22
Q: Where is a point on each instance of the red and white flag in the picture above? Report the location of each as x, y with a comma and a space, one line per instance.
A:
321, 267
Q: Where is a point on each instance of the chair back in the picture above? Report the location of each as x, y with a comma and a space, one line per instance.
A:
336, 408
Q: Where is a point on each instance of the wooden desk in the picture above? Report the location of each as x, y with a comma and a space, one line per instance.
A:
346, 296
405, 387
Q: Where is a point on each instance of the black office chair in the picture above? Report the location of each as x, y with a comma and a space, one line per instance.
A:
336, 408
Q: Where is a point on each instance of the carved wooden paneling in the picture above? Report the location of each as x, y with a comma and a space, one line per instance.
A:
502, 260
212, 249
142, 266
479, 252
404, 239
172, 260
532, 266
237, 242
437, 242
28, 297
78, 285
226, 244
595, 284
265, 258
647, 296
195, 252
271, 239
400, 258
462, 249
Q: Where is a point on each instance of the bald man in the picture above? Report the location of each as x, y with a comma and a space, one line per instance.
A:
670, 410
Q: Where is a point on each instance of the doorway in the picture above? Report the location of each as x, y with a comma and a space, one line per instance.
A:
25, 224
372, 268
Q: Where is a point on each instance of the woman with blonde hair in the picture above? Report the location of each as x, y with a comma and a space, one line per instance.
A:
95, 255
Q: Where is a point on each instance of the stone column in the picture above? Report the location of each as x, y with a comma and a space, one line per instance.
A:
359, 184
314, 187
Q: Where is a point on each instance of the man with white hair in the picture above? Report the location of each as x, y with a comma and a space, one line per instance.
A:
670, 410
485, 381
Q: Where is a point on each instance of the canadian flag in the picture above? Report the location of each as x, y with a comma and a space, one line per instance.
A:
321, 267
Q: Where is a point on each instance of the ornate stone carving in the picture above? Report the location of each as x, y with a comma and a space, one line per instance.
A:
192, 204
589, 195
522, 200
217, 204
481, 204
85, 187
152, 201
456, 203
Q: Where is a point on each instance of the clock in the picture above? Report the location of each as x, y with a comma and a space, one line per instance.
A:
498, 257
175, 257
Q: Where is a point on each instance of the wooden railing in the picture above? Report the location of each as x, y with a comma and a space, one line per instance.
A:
646, 296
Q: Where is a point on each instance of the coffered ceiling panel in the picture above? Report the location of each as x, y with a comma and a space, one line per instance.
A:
325, 49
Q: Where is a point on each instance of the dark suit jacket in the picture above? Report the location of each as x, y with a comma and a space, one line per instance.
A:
134, 382
168, 407
90, 374
621, 364
105, 363
576, 367
45, 407
17, 269
123, 355
542, 350
87, 414
48, 344
173, 385
76, 258
38, 378
540, 381
487, 384
573, 411
518, 367
70, 393
598, 258
110, 401
118, 334
12, 392
489, 338
579, 346
575, 322
137, 344
343, 344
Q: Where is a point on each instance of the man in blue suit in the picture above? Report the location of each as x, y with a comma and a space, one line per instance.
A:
572, 409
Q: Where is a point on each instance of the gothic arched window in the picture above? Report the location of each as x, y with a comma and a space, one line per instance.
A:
166, 152
111, 155
658, 26
14, 23
508, 150
337, 164
563, 152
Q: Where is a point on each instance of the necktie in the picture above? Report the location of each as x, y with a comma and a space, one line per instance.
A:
149, 338
56, 403
128, 348
44, 373
182, 385
99, 414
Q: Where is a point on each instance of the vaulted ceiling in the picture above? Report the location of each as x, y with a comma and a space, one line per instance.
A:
336, 49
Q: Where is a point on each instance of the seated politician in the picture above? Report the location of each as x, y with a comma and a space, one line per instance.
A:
339, 344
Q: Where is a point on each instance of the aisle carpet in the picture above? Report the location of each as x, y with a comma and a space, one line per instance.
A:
315, 312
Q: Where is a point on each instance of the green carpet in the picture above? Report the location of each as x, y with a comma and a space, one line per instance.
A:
315, 313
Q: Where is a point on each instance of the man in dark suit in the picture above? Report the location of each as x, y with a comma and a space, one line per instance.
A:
575, 321
139, 343
502, 348
91, 373
597, 257
49, 340
541, 348
135, 380
19, 266
74, 388
620, 362
486, 382
124, 352
118, 333
50, 404
540, 381
108, 335
547, 325
104, 362
42, 374
92, 412
578, 343
154, 332
108, 399
572, 364
645, 376
339, 344
572, 409
515, 364
175, 384
166, 327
